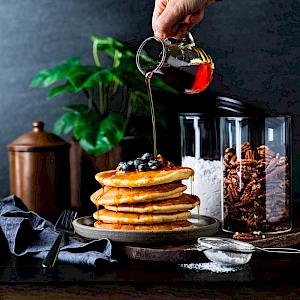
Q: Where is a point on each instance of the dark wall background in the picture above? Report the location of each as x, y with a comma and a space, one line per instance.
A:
255, 46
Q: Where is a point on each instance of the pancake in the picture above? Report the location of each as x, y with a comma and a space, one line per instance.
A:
141, 179
108, 216
116, 196
160, 226
182, 203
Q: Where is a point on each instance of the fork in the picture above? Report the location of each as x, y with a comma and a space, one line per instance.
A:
64, 225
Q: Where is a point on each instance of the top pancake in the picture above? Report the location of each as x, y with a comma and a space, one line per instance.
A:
148, 178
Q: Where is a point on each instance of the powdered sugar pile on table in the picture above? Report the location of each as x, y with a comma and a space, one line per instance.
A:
207, 185
213, 267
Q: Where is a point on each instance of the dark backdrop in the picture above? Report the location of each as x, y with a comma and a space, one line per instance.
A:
255, 46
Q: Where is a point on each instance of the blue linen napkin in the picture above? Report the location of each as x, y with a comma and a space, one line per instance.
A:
29, 234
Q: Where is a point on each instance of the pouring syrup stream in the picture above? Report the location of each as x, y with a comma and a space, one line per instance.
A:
148, 85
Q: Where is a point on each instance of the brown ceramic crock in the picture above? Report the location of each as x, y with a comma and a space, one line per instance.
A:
40, 171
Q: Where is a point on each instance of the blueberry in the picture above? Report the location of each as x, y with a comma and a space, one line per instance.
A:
154, 164
130, 164
125, 167
137, 162
146, 157
144, 167
121, 163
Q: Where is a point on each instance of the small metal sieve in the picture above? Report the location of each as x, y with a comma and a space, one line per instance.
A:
232, 252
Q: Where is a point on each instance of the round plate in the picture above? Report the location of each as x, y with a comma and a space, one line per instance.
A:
204, 226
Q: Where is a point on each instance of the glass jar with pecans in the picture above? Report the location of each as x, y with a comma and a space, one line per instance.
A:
256, 181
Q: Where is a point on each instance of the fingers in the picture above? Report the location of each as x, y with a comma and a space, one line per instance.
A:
189, 22
174, 18
181, 31
208, 2
194, 18
165, 18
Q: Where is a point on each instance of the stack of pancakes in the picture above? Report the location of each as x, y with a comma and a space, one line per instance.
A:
149, 200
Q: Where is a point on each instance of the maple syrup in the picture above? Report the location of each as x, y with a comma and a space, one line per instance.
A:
148, 85
188, 79
190, 86
179, 63
117, 197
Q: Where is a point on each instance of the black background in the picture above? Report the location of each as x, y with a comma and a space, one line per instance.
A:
254, 44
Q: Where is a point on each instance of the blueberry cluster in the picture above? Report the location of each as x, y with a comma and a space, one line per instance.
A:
144, 163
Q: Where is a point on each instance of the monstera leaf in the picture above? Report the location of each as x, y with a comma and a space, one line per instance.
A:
95, 135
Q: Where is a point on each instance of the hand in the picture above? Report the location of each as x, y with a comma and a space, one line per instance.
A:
173, 18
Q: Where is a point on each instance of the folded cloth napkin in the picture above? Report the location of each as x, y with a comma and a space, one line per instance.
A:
29, 234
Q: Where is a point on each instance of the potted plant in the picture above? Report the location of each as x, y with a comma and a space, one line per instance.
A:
113, 93
119, 88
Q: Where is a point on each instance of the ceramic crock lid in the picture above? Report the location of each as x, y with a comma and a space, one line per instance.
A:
37, 140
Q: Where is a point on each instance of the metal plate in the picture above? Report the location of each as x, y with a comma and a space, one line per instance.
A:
204, 226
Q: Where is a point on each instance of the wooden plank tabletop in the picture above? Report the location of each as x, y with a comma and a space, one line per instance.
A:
190, 252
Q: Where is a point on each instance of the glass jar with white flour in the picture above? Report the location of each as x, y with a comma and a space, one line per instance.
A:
200, 149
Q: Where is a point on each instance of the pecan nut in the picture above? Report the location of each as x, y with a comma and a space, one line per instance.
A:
256, 190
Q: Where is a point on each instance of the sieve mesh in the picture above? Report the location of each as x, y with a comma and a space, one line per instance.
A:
230, 251
226, 251
226, 245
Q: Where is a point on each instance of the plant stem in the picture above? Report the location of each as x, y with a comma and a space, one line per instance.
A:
95, 54
129, 107
115, 83
101, 99
116, 62
93, 102
91, 98
98, 64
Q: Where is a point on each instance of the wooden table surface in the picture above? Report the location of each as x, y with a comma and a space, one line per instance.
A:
271, 276
266, 276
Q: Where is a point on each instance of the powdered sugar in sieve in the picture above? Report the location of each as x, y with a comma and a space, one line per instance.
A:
225, 251
233, 252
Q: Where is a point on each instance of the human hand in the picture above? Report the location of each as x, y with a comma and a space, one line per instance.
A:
173, 18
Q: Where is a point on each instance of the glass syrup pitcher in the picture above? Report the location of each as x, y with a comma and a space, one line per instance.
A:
179, 63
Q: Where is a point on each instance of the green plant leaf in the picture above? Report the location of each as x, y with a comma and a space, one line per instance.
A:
66, 122
88, 76
86, 121
113, 126
49, 76
107, 45
39, 78
70, 122
88, 144
109, 133
110, 46
59, 90
77, 108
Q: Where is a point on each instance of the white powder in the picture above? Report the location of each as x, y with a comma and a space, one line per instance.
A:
225, 257
228, 258
213, 267
207, 185
221, 261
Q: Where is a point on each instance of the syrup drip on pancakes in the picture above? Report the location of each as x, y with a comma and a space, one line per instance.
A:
144, 191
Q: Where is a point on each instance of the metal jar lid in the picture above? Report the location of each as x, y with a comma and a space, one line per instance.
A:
38, 140
212, 106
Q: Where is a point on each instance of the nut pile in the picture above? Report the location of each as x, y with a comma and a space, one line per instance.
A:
146, 162
256, 190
